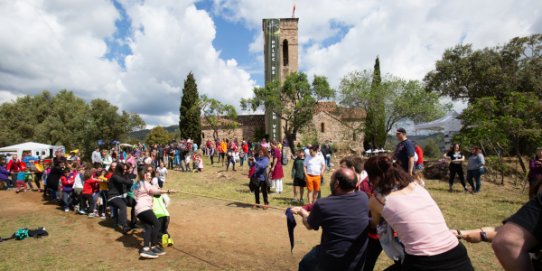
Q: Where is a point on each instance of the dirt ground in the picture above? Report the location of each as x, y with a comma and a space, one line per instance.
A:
209, 235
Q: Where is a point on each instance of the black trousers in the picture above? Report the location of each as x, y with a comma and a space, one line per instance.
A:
373, 251
87, 203
454, 259
457, 169
120, 205
263, 187
151, 226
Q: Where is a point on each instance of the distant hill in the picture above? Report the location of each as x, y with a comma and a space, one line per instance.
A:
141, 135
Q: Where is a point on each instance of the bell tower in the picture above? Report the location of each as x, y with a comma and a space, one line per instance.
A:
281, 56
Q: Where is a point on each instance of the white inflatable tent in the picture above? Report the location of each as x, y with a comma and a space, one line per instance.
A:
448, 125
35, 149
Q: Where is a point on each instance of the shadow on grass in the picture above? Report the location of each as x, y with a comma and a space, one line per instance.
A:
284, 200
239, 205
130, 239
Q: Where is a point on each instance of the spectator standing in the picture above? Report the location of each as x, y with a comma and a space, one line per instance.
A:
327, 152
260, 164
96, 158
418, 164
314, 166
456, 159
298, 176
404, 152
276, 171
475, 169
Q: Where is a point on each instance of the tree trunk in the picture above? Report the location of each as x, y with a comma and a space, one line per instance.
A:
520, 159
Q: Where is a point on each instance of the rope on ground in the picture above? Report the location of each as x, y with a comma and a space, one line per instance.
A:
235, 201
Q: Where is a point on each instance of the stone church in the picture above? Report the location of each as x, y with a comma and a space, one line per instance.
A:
343, 127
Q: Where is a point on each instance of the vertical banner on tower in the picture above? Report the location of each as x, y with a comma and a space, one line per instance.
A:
271, 28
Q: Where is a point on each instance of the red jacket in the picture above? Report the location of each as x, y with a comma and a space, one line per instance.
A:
419, 152
67, 183
90, 186
14, 165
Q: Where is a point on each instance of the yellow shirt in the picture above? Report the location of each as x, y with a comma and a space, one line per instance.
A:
224, 146
103, 183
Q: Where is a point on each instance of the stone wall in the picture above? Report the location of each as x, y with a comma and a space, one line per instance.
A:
340, 133
247, 126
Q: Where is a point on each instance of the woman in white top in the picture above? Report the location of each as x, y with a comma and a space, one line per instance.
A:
409, 209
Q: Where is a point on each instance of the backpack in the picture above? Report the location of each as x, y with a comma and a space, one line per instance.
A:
20, 234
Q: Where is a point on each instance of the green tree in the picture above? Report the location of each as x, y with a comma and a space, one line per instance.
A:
403, 100
503, 129
190, 117
218, 115
464, 73
158, 135
375, 123
64, 119
293, 102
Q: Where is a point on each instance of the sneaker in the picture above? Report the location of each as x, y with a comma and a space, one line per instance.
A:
76, 208
147, 253
102, 216
169, 242
165, 238
66, 210
92, 215
81, 212
158, 251
17, 191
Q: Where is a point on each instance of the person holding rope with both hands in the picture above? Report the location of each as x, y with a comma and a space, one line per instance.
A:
144, 192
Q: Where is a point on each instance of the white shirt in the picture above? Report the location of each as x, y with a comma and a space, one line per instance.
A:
162, 173
313, 165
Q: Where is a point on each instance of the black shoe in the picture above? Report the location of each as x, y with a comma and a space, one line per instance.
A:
148, 254
158, 251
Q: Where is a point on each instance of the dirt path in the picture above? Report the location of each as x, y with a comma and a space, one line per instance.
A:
208, 234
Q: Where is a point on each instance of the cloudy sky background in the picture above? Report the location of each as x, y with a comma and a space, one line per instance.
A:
136, 54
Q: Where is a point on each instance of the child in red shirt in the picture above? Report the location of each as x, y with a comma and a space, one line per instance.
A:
87, 203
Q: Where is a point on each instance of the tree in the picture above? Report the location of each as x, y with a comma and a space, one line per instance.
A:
64, 119
158, 135
190, 117
464, 73
403, 100
293, 102
218, 115
503, 129
375, 126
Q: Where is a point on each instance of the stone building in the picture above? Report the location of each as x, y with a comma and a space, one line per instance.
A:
341, 126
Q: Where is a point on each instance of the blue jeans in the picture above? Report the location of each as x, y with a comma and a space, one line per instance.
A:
310, 260
67, 199
475, 174
328, 162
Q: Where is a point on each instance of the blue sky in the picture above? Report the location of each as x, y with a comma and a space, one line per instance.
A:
137, 53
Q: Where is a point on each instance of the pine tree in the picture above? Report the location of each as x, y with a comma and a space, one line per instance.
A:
190, 117
375, 133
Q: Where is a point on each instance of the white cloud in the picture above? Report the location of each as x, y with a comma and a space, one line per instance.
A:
409, 36
60, 44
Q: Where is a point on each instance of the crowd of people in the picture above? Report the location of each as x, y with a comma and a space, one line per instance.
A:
105, 188
376, 204
381, 205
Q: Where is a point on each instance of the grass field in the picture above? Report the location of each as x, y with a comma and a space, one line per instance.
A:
91, 240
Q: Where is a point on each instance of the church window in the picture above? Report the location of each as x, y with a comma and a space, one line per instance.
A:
285, 52
322, 127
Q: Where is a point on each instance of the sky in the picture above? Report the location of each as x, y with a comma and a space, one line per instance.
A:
137, 53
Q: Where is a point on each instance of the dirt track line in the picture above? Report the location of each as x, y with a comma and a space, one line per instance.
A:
235, 201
